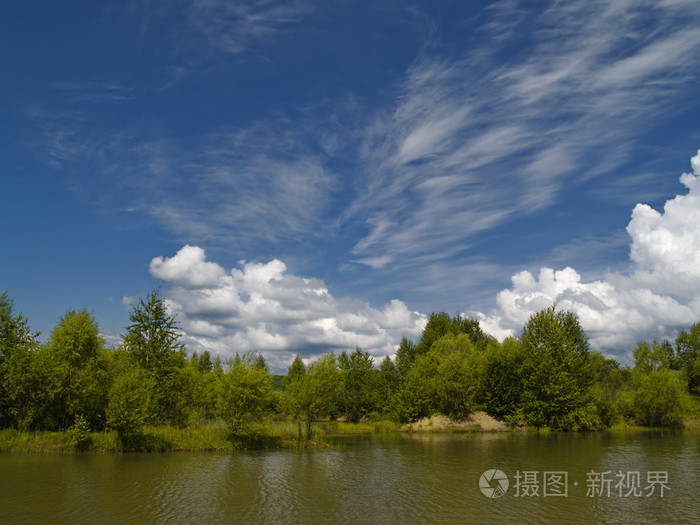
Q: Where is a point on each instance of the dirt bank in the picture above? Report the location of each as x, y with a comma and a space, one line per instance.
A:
478, 421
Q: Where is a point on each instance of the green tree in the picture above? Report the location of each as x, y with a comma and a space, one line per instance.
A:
440, 325
296, 369
152, 337
446, 379
130, 401
657, 356
152, 340
244, 395
503, 378
459, 374
388, 382
78, 362
688, 357
17, 346
556, 377
359, 385
660, 398
405, 356
312, 395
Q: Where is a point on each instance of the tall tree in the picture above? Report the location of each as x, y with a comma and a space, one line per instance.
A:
388, 383
556, 374
76, 352
17, 345
152, 340
359, 385
152, 337
688, 357
503, 378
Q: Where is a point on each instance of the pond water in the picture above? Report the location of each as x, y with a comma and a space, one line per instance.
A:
395, 478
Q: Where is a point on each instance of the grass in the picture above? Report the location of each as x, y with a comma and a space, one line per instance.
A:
213, 436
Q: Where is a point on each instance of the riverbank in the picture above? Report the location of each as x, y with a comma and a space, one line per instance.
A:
271, 435
213, 437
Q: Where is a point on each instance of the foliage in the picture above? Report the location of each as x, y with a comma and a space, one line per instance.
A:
130, 402
244, 393
388, 381
80, 433
657, 356
556, 375
17, 345
688, 357
313, 394
446, 379
359, 385
659, 399
152, 342
152, 337
502, 385
76, 361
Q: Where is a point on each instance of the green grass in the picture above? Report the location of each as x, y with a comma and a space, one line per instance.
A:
213, 436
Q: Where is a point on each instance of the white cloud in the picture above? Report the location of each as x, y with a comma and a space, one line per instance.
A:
659, 295
188, 268
261, 307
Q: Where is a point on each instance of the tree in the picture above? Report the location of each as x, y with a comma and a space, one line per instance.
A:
440, 325
660, 398
78, 366
503, 378
296, 369
556, 376
459, 374
244, 395
152, 341
152, 337
388, 383
657, 356
130, 402
446, 379
17, 346
688, 357
405, 356
359, 385
312, 395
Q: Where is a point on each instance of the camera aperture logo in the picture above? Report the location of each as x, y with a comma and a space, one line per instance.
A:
493, 483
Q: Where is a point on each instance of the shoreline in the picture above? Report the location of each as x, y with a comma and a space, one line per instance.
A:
274, 435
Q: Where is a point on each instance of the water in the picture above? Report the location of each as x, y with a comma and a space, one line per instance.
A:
364, 479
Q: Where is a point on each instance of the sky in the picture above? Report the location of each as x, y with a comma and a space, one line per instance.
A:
306, 176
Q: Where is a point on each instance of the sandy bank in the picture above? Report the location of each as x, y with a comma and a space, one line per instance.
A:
477, 421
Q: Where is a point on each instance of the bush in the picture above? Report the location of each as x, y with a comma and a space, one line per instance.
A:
659, 399
80, 433
129, 402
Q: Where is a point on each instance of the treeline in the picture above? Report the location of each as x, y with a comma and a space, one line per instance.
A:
548, 377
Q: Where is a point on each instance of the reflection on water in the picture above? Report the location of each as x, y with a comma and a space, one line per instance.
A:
417, 478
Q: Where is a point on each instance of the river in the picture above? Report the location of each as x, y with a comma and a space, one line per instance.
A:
392, 478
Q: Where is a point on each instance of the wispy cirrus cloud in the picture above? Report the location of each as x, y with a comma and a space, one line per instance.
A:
478, 141
263, 183
235, 27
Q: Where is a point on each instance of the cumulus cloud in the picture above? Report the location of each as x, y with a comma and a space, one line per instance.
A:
188, 268
261, 307
659, 295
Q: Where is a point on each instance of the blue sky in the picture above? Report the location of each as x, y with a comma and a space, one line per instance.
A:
303, 176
